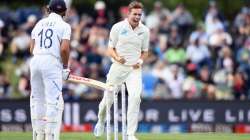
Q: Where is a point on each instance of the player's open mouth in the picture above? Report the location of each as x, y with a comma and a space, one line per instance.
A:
136, 21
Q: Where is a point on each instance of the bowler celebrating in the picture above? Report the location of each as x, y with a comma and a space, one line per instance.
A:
128, 47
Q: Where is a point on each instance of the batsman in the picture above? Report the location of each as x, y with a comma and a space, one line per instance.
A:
49, 67
128, 47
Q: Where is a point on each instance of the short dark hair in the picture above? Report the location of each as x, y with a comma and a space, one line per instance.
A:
135, 5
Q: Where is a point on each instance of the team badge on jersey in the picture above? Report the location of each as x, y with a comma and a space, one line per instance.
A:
124, 32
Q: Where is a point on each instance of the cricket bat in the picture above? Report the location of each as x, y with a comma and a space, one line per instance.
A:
88, 82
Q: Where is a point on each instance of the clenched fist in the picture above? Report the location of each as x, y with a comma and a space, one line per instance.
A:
120, 60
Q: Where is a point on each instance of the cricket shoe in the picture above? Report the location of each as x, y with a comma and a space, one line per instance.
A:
99, 129
132, 137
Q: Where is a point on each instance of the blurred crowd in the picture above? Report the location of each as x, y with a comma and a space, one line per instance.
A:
188, 59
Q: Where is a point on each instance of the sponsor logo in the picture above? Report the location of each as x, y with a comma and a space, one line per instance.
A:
140, 33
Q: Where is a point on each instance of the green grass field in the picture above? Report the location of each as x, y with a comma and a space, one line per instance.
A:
141, 136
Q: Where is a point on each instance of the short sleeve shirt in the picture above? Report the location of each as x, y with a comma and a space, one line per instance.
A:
48, 34
128, 42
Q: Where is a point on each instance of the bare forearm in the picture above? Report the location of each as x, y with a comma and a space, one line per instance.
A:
65, 58
32, 43
112, 53
65, 50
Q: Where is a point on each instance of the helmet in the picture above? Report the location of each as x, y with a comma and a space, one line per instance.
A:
57, 6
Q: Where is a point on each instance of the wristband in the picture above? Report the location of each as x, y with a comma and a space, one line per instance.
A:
140, 61
65, 66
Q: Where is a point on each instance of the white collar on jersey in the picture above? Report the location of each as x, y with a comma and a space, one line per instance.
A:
54, 15
140, 24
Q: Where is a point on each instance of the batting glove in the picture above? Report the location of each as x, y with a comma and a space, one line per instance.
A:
65, 74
